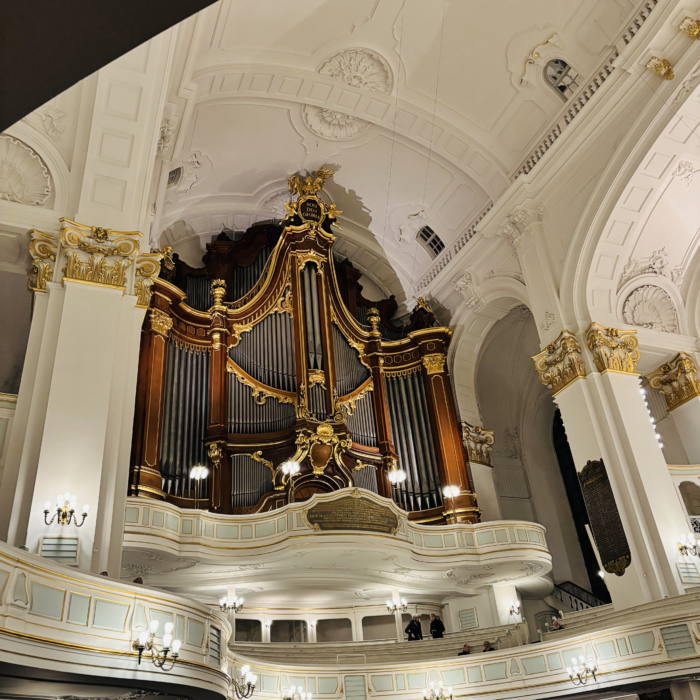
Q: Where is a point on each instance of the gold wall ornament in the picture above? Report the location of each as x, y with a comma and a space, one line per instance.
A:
216, 453
677, 380
348, 403
160, 322
285, 304
216, 340
306, 256
43, 248
434, 363
320, 446
478, 443
421, 303
309, 185
238, 329
560, 362
96, 254
373, 318
147, 269
399, 373
661, 67
691, 27
316, 376
613, 349
261, 392
218, 291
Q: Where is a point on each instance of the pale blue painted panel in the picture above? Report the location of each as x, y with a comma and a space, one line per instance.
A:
158, 518
162, 618
209, 529
265, 529
110, 615
146, 516
511, 532
131, 515
400, 681
299, 682
606, 650
327, 686
460, 539
554, 662
269, 684
179, 627
246, 532
416, 680
281, 525
574, 654
433, 541
47, 601
78, 609
485, 537
380, 683
522, 535
311, 682
186, 527
227, 532
495, 672
4, 575
533, 536
454, 676
469, 539
474, 674
501, 536
20, 592
642, 642
450, 541
290, 522
195, 632
170, 522
419, 540
535, 664
514, 667
300, 522
622, 645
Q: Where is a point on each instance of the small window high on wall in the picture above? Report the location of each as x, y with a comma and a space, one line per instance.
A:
430, 241
562, 77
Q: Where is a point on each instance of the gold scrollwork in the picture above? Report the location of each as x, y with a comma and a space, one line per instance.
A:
560, 364
349, 402
257, 456
306, 256
317, 376
160, 322
323, 435
42, 249
613, 350
284, 304
400, 373
147, 269
677, 380
261, 392
434, 364
102, 246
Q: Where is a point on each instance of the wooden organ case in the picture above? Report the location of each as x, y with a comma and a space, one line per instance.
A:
270, 353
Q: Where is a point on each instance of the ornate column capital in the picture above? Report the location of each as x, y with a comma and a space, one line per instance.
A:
560, 363
677, 380
434, 363
478, 442
43, 249
613, 350
521, 222
160, 322
466, 286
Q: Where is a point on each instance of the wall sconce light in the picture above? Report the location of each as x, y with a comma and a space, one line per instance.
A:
171, 646
197, 474
295, 693
396, 476
688, 546
515, 608
65, 510
396, 605
244, 686
579, 674
234, 605
437, 692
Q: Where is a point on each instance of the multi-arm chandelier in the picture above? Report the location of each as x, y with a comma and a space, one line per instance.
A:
65, 510
235, 604
244, 686
295, 693
396, 605
159, 657
437, 691
583, 669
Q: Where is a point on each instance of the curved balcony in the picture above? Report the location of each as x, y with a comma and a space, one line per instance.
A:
334, 542
68, 623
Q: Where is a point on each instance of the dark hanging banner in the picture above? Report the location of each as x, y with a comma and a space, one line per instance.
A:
606, 525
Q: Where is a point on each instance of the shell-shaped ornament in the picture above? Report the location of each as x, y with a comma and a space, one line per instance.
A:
650, 307
23, 176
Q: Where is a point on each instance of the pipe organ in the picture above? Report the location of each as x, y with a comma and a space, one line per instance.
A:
269, 353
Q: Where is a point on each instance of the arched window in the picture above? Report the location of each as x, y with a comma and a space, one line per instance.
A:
562, 77
430, 241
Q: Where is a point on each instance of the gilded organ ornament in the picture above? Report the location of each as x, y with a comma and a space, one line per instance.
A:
434, 363
161, 323
478, 443
613, 350
560, 363
677, 380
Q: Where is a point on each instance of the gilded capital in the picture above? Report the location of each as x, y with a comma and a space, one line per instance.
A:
434, 364
661, 66
677, 380
43, 249
147, 269
560, 363
160, 322
478, 442
613, 350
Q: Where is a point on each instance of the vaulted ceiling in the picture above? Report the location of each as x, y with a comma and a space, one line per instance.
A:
426, 109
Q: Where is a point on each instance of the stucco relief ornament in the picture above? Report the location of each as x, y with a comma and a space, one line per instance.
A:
548, 322
521, 222
359, 68
275, 203
52, 117
167, 129
655, 264
466, 286
333, 124
23, 175
613, 349
677, 380
650, 307
478, 443
560, 364
195, 168
685, 172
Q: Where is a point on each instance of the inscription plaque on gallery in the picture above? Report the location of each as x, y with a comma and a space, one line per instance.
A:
604, 517
350, 513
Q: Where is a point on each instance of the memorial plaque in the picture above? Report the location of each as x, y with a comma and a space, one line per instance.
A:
604, 517
310, 210
353, 513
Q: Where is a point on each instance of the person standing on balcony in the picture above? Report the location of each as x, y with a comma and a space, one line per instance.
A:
413, 629
437, 628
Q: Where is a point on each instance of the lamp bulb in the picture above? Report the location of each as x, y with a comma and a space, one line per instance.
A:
167, 640
47, 505
86, 508
246, 668
153, 626
143, 637
66, 496
168, 627
176, 646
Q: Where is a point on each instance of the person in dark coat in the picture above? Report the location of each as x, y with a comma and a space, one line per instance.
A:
466, 649
437, 628
413, 629
488, 647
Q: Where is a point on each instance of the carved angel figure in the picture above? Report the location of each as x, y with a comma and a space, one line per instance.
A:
308, 185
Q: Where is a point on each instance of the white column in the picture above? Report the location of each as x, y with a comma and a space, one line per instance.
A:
485, 489
606, 418
396, 595
356, 621
686, 690
312, 630
687, 420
